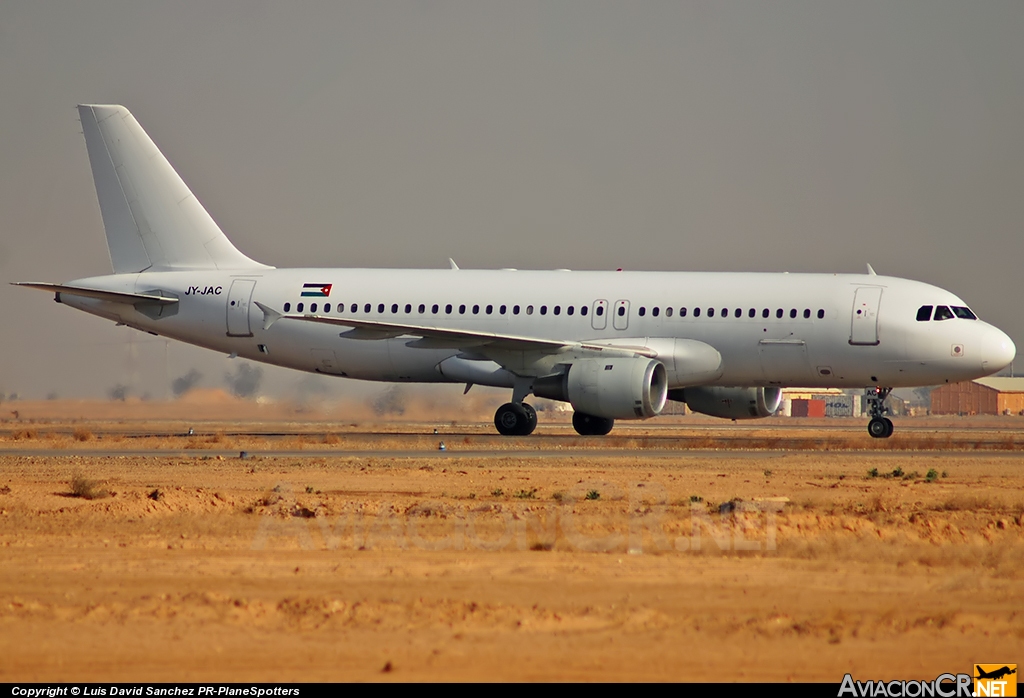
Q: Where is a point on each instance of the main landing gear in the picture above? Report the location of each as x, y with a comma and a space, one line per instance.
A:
515, 419
880, 426
589, 425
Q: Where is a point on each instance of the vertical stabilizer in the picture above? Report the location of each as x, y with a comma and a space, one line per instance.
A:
152, 219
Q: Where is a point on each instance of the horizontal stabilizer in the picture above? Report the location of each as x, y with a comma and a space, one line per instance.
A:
113, 296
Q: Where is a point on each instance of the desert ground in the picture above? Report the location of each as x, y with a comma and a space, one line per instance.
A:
228, 541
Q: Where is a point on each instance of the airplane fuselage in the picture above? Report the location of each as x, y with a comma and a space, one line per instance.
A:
770, 329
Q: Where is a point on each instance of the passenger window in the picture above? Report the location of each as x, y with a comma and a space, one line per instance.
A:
380, 307
739, 312
963, 313
600, 310
422, 309
682, 312
943, 313
622, 310
654, 311
543, 310
462, 309
312, 307
557, 310
668, 312
807, 313
434, 308
501, 310
515, 309
821, 314
696, 312
287, 307
570, 310
448, 309
751, 313
641, 312
355, 307
711, 312
765, 313
489, 309
725, 312
299, 307
529, 310
394, 308
778, 313
408, 308
366, 308
924, 313
583, 310
792, 312
476, 309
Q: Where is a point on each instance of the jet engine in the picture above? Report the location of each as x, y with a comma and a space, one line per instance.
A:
730, 403
618, 388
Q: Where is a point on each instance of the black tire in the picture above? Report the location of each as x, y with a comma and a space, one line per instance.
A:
511, 420
589, 425
889, 427
531, 423
878, 428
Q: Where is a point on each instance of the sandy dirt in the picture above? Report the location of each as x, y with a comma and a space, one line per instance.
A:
748, 564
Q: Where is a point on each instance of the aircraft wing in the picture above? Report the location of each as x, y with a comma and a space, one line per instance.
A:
113, 296
444, 338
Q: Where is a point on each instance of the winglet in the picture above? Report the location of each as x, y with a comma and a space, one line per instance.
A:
452, 264
270, 316
871, 272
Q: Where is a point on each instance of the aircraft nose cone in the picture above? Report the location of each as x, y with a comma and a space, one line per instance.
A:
999, 350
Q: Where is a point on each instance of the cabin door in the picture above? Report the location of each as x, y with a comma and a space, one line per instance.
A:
239, 298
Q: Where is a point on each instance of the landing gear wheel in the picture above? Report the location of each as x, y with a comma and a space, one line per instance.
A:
532, 414
589, 425
513, 419
880, 428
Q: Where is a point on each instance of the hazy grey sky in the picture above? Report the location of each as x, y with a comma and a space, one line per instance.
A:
799, 136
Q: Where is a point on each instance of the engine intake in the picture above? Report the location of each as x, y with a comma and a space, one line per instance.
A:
618, 388
730, 403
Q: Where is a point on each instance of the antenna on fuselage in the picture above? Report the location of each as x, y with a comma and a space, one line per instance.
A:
871, 272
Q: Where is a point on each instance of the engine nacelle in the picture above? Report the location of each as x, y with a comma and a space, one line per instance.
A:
618, 388
730, 403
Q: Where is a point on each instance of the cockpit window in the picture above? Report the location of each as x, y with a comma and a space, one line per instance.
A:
964, 313
943, 313
924, 313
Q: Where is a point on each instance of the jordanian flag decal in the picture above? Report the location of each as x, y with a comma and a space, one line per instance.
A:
316, 290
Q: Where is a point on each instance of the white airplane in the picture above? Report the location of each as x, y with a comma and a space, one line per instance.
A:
615, 345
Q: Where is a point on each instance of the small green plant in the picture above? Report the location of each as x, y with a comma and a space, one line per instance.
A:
309, 489
767, 473
526, 494
497, 492
558, 496
898, 472
932, 475
945, 473
873, 472
912, 476
593, 494
696, 499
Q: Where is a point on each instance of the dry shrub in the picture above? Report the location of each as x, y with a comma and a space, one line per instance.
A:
82, 434
85, 488
332, 439
25, 434
966, 502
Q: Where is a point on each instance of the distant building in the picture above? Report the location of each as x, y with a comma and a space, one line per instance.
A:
983, 396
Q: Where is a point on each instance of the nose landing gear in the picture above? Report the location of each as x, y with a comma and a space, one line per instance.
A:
880, 426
